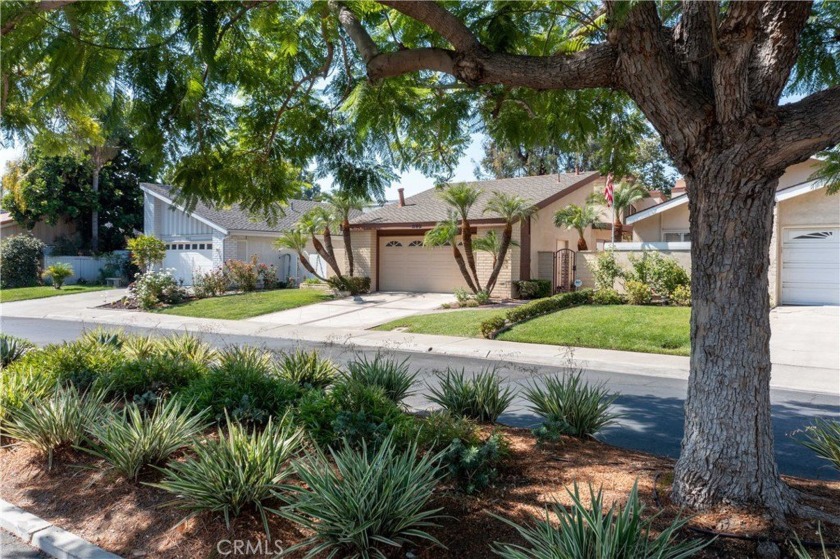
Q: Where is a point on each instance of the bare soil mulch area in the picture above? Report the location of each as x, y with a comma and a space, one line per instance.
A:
130, 519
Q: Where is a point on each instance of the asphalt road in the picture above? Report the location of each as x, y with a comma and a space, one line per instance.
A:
13, 548
652, 407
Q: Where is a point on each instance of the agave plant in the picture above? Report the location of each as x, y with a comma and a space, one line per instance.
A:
592, 531
12, 349
481, 397
389, 374
132, 440
571, 404
57, 421
306, 369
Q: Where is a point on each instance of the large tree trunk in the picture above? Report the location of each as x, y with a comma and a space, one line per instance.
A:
466, 238
348, 248
727, 450
94, 216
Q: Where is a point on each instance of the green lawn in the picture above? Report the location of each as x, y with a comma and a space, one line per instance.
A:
648, 329
246, 305
39, 292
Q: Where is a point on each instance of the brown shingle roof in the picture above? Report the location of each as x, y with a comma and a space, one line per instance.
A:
427, 206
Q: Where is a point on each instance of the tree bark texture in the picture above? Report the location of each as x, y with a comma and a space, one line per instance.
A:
330, 252
348, 247
499, 260
94, 215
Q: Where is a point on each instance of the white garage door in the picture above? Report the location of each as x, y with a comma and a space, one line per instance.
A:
184, 258
406, 265
811, 266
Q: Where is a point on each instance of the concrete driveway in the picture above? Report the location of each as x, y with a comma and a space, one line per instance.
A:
361, 312
807, 337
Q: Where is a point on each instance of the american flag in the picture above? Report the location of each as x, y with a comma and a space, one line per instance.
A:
608, 190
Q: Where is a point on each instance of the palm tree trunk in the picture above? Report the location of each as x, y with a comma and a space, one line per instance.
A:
308, 267
327, 255
499, 259
462, 266
345, 231
581, 241
617, 229
94, 215
466, 238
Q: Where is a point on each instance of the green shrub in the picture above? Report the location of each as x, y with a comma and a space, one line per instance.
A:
534, 289
482, 298
571, 405
187, 347
244, 386
57, 273
131, 440
243, 275
638, 293
462, 296
548, 305
481, 397
471, 304
472, 465
592, 531
140, 347
354, 285
491, 326
681, 296
605, 270
146, 250
20, 261
663, 274
364, 414
238, 470
316, 412
437, 431
158, 374
12, 349
307, 369
364, 503
80, 363
211, 283
20, 384
57, 421
101, 336
607, 297
387, 373
152, 289
823, 437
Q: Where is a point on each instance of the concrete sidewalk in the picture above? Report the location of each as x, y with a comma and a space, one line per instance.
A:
819, 375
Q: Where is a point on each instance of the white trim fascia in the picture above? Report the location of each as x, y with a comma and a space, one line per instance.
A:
659, 208
203, 220
658, 246
798, 190
249, 233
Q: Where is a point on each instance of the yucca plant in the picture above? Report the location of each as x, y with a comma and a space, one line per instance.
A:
101, 336
824, 439
481, 397
240, 469
131, 440
56, 421
306, 369
571, 405
361, 503
12, 349
389, 374
187, 346
140, 347
592, 531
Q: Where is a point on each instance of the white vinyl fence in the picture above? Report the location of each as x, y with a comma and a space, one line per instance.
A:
84, 267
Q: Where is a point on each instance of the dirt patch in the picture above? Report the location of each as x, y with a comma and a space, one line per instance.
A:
131, 519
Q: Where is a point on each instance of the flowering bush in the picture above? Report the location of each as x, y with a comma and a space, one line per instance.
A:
154, 288
244, 275
211, 283
268, 275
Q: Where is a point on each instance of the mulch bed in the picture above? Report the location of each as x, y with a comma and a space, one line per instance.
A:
129, 519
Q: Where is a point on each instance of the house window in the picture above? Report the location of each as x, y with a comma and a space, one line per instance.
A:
676, 236
393, 244
195, 246
415, 244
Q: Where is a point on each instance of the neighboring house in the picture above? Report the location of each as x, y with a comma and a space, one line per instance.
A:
207, 236
42, 230
388, 242
805, 248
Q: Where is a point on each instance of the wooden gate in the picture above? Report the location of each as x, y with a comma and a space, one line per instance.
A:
564, 270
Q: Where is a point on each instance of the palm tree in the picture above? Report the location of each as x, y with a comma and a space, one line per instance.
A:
577, 218
445, 233
627, 194
511, 209
462, 197
317, 221
342, 205
295, 240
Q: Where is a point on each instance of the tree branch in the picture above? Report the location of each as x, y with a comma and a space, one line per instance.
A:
730, 76
805, 128
438, 18
355, 30
32, 8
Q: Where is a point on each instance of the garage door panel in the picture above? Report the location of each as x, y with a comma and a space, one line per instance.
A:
811, 266
406, 265
184, 263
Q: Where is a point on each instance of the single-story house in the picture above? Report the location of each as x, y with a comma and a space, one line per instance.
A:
805, 248
45, 232
388, 242
205, 237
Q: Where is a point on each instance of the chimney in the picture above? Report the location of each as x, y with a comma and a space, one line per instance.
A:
402, 196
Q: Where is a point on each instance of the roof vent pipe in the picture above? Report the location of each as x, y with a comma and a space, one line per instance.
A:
402, 196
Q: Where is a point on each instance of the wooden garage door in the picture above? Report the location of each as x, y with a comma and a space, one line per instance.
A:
406, 265
811, 266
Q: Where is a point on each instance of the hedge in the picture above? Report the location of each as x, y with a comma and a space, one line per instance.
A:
534, 289
489, 328
354, 285
20, 261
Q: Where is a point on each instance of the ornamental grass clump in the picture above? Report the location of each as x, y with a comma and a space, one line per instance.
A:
130, 441
57, 421
481, 397
360, 503
824, 439
242, 468
571, 406
388, 373
592, 531
306, 369
188, 347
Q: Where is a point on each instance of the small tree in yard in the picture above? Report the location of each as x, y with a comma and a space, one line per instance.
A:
462, 197
146, 251
624, 196
58, 272
342, 205
577, 218
319, 221
446, 233
296, 240
511, 209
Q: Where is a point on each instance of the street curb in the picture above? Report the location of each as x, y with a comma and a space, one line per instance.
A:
50, 539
